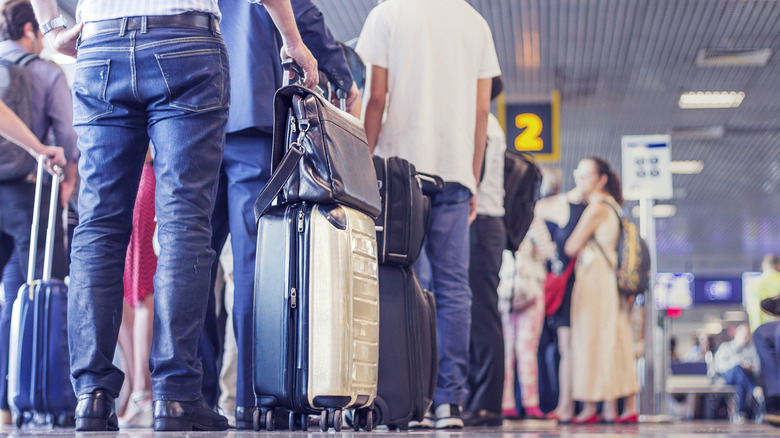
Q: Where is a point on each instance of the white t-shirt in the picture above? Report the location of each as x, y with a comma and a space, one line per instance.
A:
490, 193
435, 51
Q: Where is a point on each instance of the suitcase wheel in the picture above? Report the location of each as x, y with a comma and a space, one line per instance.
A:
263, 419
362, 419
18, 420
298, 422
330, 418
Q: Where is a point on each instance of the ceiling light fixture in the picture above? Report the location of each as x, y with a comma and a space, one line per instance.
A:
691, 167
711, 99
733, 57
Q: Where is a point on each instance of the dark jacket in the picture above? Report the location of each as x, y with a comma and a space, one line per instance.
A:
253, 45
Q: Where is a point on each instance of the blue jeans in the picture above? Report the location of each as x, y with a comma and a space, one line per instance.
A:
246, 168
447, 247
767, 341
170, 86
740, 378
13, 279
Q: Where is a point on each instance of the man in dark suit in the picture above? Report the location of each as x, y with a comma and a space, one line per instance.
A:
253, 46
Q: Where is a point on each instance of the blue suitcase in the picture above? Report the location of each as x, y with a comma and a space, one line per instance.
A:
39, 363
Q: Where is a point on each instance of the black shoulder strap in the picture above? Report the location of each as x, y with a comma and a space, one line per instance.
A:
278, 179
25, 59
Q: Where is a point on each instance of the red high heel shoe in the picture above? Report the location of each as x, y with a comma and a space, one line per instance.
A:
628, 419
593, 419
534, 413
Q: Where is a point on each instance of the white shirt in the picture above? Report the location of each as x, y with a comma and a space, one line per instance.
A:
490, 193
97, 10
435, 52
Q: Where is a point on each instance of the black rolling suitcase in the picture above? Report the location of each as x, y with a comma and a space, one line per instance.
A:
408, 350
408, 353
39, 363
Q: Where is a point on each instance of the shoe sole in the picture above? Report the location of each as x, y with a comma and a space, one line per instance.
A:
449, 423
95, 424
178, 424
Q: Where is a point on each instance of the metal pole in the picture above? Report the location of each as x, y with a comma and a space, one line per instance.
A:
653, 399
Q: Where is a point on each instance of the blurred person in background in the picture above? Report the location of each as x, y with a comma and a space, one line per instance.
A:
765, 286
561, 213
524, 321
49, 117
487, 241
602, 344
737, 362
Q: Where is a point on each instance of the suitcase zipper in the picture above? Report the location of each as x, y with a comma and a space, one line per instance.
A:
293, 298
301, 217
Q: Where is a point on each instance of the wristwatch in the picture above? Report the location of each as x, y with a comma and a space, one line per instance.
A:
52, 24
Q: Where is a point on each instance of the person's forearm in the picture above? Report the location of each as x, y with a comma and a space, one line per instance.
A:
375, 109
45, 10
480, 130
282, 15
12, 128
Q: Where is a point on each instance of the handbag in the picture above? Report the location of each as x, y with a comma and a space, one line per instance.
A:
555, 288
320, 154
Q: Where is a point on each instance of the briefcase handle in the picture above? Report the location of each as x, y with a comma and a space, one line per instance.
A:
293, 74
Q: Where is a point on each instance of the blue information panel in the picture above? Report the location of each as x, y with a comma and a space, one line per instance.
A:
533, 128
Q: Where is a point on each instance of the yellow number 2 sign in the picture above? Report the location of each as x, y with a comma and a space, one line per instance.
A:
531, 126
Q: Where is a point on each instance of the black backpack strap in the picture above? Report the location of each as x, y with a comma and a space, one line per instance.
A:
283, 173
25, 59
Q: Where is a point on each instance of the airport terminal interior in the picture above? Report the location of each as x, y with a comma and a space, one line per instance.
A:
682, 98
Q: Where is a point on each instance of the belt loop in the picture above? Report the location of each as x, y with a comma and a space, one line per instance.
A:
123, 27
143, 24
214, 25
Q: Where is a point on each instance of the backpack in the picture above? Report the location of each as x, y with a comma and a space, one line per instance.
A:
633, 266
521, 191
16, 93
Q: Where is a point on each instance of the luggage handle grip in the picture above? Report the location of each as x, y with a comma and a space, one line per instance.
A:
293, 74
430, 178
56, 172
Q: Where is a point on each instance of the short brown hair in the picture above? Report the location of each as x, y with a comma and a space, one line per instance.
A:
15, 14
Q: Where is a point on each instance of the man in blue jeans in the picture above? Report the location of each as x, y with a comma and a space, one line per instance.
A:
148, 71
435, 60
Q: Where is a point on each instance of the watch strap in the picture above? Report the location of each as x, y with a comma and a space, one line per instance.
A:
54, 23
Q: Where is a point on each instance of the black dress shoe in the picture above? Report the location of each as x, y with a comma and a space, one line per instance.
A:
482, 417
771, 305
96, 412
244, 417
171, 415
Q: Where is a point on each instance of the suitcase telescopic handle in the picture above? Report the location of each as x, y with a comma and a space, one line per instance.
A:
56, 173
293, 74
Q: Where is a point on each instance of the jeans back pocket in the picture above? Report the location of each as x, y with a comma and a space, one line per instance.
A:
194, 79
89, 91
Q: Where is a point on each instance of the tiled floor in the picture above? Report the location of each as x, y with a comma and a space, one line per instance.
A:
527, 429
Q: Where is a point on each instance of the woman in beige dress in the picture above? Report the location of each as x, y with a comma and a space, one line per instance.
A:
601, 339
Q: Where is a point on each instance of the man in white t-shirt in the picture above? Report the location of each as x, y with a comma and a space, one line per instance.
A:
432, 64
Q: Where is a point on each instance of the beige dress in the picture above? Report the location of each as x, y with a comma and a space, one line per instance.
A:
601, 337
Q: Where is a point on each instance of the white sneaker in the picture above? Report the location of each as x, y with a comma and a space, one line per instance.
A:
448, 416
138, 412
428, 422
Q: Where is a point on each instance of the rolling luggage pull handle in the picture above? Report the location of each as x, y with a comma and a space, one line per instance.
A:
290, 66
56, 173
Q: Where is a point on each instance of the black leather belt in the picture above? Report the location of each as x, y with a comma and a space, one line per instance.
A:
188, 20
